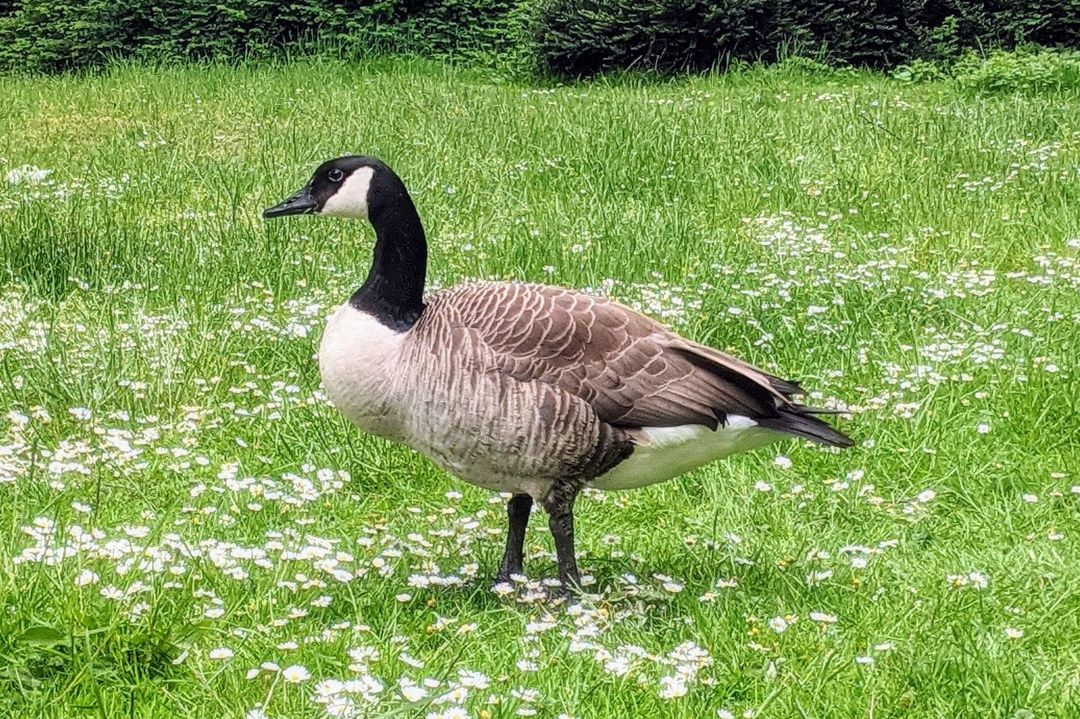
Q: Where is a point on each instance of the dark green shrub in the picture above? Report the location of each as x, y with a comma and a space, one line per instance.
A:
562, 37
583, 37
1019, 71
865, 33
959, 25
37, 34
49, 35
919, 71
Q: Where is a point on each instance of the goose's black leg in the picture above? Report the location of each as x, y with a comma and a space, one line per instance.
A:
517, 510
560, 509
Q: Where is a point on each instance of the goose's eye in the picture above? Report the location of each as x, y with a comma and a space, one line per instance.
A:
336, 175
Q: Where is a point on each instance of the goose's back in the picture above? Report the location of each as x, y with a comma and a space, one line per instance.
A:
631, 370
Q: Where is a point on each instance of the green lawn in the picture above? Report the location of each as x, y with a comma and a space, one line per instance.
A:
179, 506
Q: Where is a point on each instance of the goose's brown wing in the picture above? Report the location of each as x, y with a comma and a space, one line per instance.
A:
631, 370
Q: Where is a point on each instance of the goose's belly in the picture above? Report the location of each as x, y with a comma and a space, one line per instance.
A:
667, 452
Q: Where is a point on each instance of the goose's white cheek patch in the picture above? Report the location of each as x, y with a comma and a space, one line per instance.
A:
351, 198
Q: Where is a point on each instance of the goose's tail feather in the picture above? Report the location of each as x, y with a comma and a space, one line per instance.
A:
800, 422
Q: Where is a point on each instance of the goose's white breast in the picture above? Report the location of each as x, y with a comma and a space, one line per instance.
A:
357, 357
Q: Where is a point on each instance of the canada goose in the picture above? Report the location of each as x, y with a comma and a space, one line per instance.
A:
524, 388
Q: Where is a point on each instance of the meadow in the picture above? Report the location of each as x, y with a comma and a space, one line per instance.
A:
188, 528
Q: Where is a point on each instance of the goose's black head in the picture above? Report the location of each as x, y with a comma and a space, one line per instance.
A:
351, 186
365, 188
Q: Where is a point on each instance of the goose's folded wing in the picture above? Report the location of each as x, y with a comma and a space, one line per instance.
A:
630, 369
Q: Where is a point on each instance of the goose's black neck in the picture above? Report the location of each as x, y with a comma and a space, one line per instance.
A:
394, 289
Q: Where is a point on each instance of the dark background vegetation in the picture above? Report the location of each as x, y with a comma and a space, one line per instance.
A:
567, 38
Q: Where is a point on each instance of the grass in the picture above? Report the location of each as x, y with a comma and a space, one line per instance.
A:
179, 505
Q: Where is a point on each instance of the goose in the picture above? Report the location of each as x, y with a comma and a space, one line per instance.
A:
527, 389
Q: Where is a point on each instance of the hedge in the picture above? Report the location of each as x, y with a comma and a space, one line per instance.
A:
581, 37
59, 35
561, 37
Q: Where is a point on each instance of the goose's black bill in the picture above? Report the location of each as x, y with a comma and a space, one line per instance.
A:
299, 204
